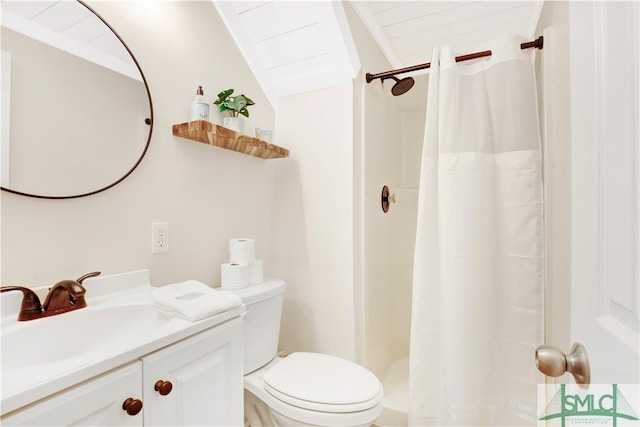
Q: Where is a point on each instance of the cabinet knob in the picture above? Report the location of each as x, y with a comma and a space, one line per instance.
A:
163, 387
132, 406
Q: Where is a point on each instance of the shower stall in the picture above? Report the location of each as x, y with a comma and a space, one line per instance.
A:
390, 154
393, 130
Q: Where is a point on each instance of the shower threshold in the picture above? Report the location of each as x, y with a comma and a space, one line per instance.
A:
395, 405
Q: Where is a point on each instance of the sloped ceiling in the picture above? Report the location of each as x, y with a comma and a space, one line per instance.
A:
407, 31
69, 26
297, 46
292, 46
301, 45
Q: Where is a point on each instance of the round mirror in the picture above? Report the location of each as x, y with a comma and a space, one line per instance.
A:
77, 115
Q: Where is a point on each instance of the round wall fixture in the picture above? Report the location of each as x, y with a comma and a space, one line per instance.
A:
384, 199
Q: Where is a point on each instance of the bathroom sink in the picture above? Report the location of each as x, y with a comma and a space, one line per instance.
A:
120, 324
75, 334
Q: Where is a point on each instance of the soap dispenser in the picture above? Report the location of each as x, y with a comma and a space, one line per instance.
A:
199, 106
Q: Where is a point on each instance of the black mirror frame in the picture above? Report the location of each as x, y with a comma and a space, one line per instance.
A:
148, 121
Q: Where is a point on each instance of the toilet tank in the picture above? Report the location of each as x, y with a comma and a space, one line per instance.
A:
261, 321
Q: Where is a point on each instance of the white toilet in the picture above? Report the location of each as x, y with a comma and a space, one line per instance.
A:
302, 389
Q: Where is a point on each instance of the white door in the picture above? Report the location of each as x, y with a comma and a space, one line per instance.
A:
605, 204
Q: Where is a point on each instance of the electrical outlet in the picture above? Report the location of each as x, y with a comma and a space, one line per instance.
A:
159, 237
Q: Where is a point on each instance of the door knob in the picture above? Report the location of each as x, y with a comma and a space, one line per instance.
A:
553, 362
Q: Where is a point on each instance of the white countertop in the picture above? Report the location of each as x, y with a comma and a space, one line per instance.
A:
26, 384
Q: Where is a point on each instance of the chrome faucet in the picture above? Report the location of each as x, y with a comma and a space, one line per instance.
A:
64, 296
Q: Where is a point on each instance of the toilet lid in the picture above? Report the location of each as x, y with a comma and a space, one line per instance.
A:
323, 383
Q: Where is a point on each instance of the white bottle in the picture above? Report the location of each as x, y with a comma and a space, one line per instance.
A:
199, 106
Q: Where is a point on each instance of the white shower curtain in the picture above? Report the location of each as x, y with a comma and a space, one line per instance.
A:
477, 311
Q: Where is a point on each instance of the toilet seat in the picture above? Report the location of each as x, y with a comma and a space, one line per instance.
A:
320, 382
319, 407
326, 414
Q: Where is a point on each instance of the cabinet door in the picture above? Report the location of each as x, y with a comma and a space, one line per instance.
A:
205, 371
97, 402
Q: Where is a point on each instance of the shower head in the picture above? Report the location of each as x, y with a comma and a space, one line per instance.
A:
401, 86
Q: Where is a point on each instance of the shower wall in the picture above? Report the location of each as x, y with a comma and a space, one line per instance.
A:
392, 148
388, 144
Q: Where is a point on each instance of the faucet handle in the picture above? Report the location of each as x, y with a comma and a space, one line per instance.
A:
86, 276
30, 308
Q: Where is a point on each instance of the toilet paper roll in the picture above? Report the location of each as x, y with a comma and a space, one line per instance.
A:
234, 275
255, 272
242, 251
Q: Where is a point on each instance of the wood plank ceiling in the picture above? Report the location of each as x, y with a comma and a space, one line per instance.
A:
407, 31
296, 46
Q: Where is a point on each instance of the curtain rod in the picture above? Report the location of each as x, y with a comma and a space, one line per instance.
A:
537, 43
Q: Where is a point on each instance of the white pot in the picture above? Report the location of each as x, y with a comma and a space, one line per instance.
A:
234, 123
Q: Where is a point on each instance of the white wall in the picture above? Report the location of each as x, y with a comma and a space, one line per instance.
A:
336, 249
207, 194
313, 228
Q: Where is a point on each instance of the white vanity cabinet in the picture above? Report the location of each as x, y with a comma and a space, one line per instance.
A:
95, 402
206, 376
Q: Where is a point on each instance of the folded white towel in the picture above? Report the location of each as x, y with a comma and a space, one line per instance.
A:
193, 300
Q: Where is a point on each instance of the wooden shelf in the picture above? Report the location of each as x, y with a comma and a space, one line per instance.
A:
219, 136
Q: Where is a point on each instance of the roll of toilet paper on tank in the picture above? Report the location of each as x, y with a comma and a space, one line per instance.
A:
242, 251
255, 272
234, 275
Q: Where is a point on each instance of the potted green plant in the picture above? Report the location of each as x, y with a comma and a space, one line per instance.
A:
234, 106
